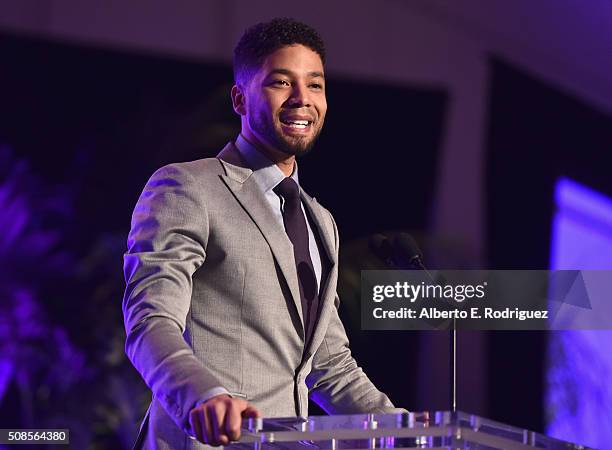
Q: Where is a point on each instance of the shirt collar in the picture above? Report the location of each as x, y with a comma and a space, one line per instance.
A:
266, 173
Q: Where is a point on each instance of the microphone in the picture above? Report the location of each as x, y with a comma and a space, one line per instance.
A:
401, 253
406, 252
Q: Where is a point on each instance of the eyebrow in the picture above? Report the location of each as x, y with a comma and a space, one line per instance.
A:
315, 74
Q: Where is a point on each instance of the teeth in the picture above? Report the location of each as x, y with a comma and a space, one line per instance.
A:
297, 124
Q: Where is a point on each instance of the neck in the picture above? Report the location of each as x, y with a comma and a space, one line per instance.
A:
284, 161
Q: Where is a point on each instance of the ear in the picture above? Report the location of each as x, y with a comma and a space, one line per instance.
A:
238, 100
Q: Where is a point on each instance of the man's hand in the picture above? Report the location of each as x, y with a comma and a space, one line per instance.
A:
218, 420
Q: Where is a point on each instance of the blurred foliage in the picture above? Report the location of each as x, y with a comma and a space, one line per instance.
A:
61, 337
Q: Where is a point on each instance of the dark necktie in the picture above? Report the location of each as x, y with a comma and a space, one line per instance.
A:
297, 230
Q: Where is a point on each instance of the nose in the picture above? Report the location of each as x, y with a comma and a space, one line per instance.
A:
300, 96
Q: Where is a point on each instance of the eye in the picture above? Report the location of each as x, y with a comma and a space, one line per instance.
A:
317, 86
281, 83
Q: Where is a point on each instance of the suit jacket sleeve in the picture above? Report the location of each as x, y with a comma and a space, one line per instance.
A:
166, 245
336, 382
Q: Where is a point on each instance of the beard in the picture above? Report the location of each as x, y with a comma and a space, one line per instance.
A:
291, 145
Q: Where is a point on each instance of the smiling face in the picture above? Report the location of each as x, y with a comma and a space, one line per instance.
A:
283, 105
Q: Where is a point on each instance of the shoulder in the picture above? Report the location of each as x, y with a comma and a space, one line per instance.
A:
182, 186
200, 168
199, 173
205, 172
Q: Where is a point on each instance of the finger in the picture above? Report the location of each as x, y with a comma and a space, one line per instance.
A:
216, 414
196, 424
207, 432
251, 412
233, 421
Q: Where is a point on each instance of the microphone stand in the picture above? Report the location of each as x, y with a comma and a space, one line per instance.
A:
406, 254
417, 263
453, 366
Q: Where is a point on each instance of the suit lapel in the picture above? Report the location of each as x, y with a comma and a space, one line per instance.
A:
326, 293
314, 211
238, 179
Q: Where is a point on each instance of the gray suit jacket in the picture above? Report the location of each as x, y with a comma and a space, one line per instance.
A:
212, 299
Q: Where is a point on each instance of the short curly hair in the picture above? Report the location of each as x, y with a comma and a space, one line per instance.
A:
264, 38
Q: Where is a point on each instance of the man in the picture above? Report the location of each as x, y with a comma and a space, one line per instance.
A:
231, 308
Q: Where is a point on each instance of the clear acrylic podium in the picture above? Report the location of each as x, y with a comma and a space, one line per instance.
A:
435, 430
